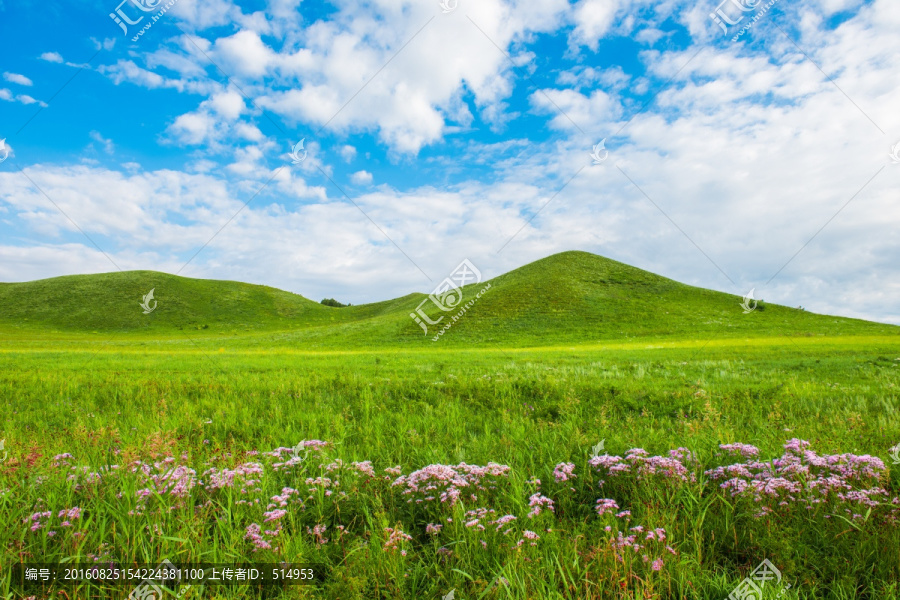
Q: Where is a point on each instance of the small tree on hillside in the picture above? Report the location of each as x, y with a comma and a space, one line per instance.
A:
333, 303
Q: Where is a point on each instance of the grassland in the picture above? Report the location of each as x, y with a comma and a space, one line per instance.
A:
533, 392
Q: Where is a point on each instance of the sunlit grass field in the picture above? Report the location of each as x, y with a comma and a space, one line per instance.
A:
213, 408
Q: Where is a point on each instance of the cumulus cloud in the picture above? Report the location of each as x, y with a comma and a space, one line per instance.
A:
244, 54
348, 153
18, 79
54, 57
213, 121
361, 178
593, 18
402, 82
7, 95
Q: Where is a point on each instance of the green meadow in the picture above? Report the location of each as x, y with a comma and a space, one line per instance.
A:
242, 424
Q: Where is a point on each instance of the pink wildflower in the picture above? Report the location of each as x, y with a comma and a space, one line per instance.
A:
537, 502
564, 472
274, 515
395, 538
605, 505
254, 535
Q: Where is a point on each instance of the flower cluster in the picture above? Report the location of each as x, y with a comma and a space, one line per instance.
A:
605, 505
474, 517
296, 459
227, 478
528, 535
537, 502
37, 519
446, 484
284, 497
684, 455
637, 544
564, 472
255, 535
86, 475
502, 521
637, 463
365, 468
745, 450
395, 538
69, 513
801, 475
163, 479
319, 532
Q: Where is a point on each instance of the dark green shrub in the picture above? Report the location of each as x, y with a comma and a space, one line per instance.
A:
333, 303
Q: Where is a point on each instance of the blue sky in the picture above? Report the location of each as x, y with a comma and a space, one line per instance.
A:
759, 162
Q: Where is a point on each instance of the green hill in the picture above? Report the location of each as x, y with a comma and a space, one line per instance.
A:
572, 297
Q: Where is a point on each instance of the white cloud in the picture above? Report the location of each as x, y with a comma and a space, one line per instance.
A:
244, 54
108, 145
195, 128
577, 110
348, 153
593, 18
228, 104
26, 99
54, 57
361, 178
127, 71
407, 103
248, 132
202, 14
214, 121
16, 78
7, 95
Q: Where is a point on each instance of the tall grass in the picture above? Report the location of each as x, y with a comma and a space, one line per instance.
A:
527, 410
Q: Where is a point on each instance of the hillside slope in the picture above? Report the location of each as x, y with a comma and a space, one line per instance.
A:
578, 297
572, 297
110, 302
